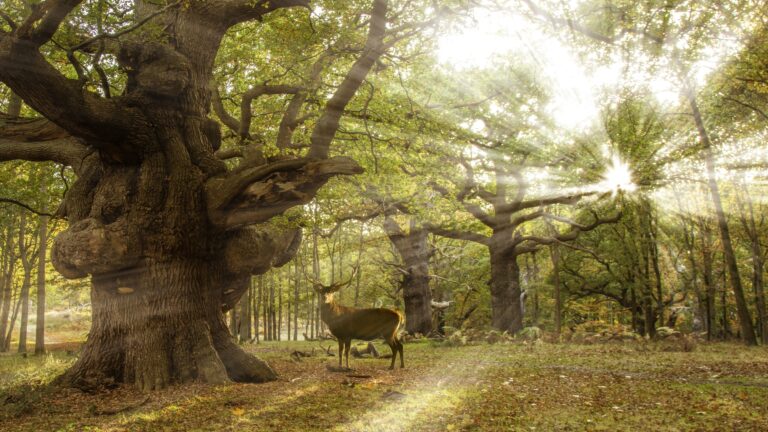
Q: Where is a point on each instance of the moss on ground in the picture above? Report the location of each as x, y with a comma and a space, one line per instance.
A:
478, 387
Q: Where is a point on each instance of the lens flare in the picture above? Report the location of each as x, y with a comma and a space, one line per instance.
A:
618, 177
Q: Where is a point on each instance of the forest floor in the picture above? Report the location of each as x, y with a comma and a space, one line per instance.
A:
516, 386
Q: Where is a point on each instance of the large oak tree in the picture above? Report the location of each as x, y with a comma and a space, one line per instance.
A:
169, 232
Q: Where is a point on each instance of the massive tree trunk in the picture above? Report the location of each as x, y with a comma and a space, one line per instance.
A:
162, 277
414, 251
506, 294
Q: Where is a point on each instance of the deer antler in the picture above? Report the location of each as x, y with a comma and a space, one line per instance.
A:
340, 285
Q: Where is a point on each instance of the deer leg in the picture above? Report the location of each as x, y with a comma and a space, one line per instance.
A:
393, 346
346, 351
341, 349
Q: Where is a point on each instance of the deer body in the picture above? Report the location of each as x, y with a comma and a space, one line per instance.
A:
346, 323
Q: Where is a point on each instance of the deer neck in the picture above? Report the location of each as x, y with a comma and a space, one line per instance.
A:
329, 311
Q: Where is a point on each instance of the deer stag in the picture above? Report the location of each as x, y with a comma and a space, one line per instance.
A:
346, 323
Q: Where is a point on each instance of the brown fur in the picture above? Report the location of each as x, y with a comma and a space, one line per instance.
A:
347, 323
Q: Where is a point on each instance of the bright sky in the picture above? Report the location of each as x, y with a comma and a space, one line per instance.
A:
501, 34
576, 90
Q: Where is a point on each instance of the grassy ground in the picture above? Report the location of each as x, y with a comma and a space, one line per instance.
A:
482, 387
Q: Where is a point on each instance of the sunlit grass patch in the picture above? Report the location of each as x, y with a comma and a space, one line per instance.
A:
485, 387
16, 370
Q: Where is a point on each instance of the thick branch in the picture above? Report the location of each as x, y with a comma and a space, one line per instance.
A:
227, 190
458, 235
38, 140
524, 244
328, 124
291, 119
542, 202
237, 11
48, 16
224, 116
101, 122
253, 93
67, 151
473, 209
257, 194
229, 153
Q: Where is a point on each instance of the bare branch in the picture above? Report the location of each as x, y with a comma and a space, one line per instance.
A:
461, 196
291, 119
11, 23
88, 42
224, 116
100, 122
749, 106
48, 16
21, 204
543, 202
328, 124
253, 93
523, 244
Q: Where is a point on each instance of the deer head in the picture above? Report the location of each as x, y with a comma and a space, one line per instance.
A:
327, 291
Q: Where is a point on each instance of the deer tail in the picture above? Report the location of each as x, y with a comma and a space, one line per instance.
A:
401, 318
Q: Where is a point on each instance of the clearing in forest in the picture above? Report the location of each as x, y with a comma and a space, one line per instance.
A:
533, 386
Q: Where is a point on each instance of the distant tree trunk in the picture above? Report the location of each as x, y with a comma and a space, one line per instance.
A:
11, 325
6, 283
359, 269
659, 313
296, 298
244, 328
745, 320
535, 297
555, 256
270, 303
708, 277
724, 305
27, 263
24, 300
41, 259
414, 251
316, 276
258, 306
288, 311
758, 260
233, 327
309, 325
279, 326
